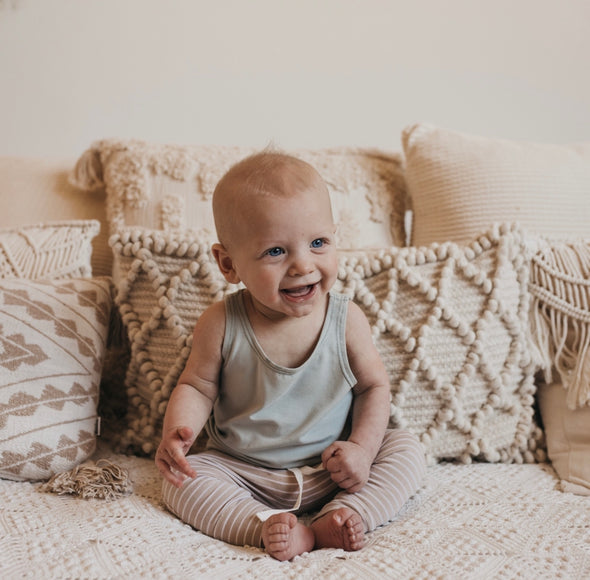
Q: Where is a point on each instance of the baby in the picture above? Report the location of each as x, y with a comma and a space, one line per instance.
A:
286, 380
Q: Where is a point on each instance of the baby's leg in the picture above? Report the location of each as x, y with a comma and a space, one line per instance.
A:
224, 499
396, 474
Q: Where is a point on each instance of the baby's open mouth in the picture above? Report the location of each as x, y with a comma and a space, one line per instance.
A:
300, 291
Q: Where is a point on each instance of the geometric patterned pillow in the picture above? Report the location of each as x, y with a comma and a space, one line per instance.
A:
450, 323
164, 281
48, 251
52, 343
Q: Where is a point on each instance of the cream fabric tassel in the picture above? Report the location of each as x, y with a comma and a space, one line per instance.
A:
100, 480
88, 172
560, 315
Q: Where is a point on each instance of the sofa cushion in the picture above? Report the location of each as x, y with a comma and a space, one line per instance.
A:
54, 250
460, 184
449, 321
170, 187
568, 438
52, 342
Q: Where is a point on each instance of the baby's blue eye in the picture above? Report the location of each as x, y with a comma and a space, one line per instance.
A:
275, 252
317, 243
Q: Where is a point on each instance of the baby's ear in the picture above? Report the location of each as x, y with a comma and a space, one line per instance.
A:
225, 263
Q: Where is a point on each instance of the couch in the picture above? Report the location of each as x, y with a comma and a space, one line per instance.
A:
470, 258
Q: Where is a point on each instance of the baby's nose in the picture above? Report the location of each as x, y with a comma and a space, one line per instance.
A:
300, 266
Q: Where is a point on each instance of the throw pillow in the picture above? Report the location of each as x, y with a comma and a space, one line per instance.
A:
170, 187
164, 281
449, 321
451, 325
568, 438
560, 314
52, 342
48, 251
460, 184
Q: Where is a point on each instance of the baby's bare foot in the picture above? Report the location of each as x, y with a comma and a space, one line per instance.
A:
341, 528
284, 537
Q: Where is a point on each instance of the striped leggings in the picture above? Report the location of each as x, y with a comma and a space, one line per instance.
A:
226, 498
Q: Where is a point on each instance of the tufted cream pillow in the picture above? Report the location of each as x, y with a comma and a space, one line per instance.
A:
52, 343
170, 187
449, 321
48, 251
461, 184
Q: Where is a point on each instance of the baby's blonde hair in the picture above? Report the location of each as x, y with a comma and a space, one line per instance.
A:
267, 173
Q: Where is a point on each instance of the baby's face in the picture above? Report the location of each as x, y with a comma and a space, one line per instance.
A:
284, 251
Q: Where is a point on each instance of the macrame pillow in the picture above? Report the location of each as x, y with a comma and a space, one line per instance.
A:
52, 343
451, 325
164, 282
560, 314
449, 321
459, 184
48, 251
170, 187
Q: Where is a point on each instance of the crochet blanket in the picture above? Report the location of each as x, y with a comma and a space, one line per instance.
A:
468, 521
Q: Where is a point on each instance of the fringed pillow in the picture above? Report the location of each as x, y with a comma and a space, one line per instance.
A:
560, 314
560, 322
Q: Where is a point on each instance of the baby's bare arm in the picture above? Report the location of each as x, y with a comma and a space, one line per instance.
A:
350, 461
192, 399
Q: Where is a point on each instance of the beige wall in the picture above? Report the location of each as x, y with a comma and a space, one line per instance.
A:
296, 72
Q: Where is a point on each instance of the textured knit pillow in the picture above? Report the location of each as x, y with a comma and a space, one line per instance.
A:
164, 282
48, 251
449, 322
170, 187
460, 184
451, 325
52, 342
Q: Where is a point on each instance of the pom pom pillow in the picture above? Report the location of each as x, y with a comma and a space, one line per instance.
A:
449, 321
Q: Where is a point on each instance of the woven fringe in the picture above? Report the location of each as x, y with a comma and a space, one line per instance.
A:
560, 315
100, 480
88, 171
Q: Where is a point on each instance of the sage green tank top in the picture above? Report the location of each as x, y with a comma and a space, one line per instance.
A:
276, 416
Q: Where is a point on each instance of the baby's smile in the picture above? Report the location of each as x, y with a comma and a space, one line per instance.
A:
300, 291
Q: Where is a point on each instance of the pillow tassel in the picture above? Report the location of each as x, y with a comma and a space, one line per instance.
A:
88, 171
560, 316
100, 480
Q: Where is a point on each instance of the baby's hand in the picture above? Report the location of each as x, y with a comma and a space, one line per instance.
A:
170, 456
348, 464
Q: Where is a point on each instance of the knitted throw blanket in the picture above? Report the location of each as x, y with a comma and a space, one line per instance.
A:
560, 315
